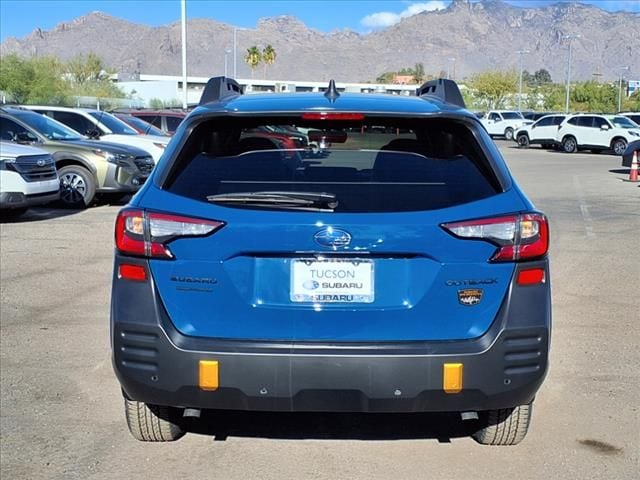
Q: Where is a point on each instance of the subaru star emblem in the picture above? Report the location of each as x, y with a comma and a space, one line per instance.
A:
311, 284
41, 162
332, 237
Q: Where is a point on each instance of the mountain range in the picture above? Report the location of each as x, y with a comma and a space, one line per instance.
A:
478, 35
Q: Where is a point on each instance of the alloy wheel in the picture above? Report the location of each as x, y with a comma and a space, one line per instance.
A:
74, 188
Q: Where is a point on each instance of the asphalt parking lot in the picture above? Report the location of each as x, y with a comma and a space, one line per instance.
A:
61, 410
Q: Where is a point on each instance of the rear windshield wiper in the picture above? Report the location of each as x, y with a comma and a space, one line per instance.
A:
290, 200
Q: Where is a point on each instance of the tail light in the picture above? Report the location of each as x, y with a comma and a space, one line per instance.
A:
147, 234
518, 237
332, 116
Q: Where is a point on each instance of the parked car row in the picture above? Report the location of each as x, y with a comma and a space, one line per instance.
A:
503, 123
98, 124
85, 167
166, 121
574, 132
28, 177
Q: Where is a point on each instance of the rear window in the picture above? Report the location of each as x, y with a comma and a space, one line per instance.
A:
371, 165
512, 116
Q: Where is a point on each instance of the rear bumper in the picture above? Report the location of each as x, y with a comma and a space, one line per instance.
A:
154, 368
157, 364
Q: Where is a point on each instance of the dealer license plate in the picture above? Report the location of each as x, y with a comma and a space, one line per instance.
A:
332, 281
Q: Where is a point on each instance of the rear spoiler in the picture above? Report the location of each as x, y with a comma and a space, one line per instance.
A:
443, 90
220, 88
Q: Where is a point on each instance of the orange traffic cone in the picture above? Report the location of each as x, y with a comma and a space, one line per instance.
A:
633, 173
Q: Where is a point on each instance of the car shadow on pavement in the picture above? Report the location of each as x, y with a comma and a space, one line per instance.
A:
37, 214
330, 426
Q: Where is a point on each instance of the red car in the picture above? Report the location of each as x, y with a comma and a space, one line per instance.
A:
166, 120
139, 125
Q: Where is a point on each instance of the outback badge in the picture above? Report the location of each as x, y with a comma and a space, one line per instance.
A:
470, 296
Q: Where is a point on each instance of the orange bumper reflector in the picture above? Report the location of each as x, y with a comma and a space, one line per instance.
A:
208, 375
452, 377
132, 272
532, 276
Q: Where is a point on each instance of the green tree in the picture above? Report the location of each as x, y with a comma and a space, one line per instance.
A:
631, 103
253, 57
541, 77
36, 80
83, 69
492, 87
594, 97
268, 57
49, 85
89, 77
16, 75
418, 73
553, 97
527, 78
386, 77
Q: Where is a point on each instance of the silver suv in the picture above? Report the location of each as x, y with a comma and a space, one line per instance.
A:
596, 133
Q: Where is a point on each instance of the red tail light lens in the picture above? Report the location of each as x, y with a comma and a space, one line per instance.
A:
534, 276
147, 234
519, 237
136, 273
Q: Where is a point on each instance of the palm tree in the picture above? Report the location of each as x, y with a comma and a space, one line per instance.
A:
268, 57
253, 58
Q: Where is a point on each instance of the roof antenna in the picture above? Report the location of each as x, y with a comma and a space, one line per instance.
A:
332, 92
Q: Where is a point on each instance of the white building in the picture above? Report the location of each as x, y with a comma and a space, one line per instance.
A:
168, 88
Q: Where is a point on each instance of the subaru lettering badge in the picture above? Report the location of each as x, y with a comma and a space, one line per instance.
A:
332, 237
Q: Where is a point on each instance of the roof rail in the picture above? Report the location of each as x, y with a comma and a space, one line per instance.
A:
219, 88
442, 89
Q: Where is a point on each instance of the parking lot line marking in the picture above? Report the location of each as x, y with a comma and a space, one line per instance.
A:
584, 208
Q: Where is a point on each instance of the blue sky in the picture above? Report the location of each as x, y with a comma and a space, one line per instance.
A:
20, 17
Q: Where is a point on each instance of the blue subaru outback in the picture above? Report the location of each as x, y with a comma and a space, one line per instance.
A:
331, 252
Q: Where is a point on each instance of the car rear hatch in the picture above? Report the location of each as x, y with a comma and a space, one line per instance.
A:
353, 241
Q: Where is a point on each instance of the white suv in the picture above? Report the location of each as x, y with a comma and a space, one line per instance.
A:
103, 125
596, 133
542, 132
503, 123
28, 177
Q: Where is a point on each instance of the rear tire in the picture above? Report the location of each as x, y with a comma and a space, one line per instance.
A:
77, 186
569, 144
508, 134
523, 141
152, 423
507, 426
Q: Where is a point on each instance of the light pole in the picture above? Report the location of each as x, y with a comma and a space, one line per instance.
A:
449, 61
569, 38
520, 53
622, 69
183, 9
235, 50
227, 51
